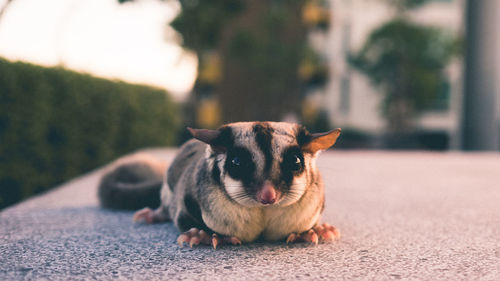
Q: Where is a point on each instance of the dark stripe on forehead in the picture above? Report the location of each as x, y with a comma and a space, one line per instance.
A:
303, 136
225, 139
263, 136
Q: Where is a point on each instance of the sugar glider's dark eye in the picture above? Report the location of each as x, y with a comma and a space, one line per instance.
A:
293, 160
235, 161
293, 164
297, 160
239, 164
296, 164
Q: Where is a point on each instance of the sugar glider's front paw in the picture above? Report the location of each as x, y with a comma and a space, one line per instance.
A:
323, 232
195, 236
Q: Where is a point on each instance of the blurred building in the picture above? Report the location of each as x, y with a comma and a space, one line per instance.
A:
351, 100
481, 106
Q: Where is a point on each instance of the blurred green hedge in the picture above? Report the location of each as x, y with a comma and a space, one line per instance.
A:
56, 124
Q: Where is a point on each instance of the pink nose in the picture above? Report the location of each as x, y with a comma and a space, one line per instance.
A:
267, 194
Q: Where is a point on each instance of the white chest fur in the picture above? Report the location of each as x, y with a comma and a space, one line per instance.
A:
298, 217
271, 222
230, 218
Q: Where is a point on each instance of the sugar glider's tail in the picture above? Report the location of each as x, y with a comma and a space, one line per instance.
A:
132, 183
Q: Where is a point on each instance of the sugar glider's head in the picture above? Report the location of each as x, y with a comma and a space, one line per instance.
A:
264, 163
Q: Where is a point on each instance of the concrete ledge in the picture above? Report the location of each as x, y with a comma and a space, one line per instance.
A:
404, 215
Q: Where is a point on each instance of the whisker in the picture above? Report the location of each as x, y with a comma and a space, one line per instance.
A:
294, 184
238, 192
238, 195
295, 191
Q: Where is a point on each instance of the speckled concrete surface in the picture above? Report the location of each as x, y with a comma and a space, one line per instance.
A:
403, 215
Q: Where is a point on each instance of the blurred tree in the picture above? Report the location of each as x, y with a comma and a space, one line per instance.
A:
254, 62
258, 46
408, 61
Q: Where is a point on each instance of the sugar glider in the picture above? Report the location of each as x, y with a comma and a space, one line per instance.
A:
242, 182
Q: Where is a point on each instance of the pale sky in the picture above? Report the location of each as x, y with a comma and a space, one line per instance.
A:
130, 42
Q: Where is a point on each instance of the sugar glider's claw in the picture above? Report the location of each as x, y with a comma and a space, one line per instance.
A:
232, 240
310, 236
235, 241
194, 241
292, 238
215, 241
183, 238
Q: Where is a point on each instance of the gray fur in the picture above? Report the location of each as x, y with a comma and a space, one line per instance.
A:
194, 195
131, 184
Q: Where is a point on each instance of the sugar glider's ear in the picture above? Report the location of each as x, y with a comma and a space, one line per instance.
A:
211, 137
321, 141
